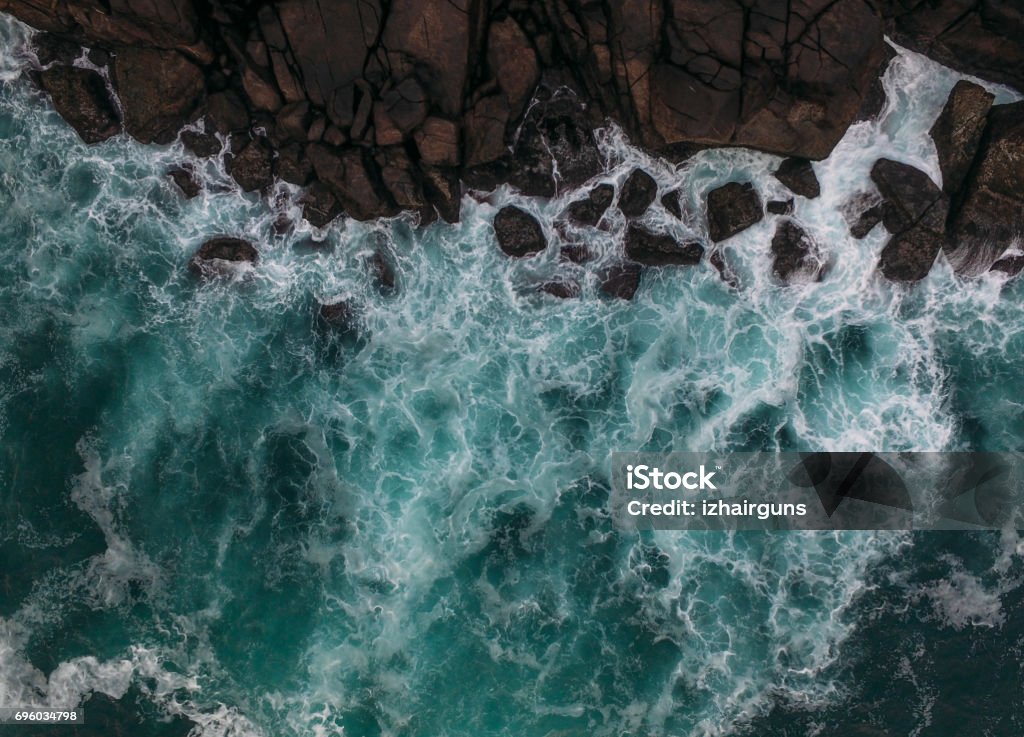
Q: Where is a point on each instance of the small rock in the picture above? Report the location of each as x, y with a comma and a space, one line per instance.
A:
653, 249
562, 289
221, 256
725, 271
518, 232
622, 280
185, 178
670, 201
590, 210
798, 175
732, 208
638, 192
957, 132
780, 207
795, 254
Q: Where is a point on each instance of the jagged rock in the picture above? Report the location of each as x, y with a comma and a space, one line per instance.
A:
590, 210
252, 166
725, 271
562, 289
202, 144
226, 113
160, 91
653, 249
875, 97
670, 201
350, 176
862, 213
513, 62
798, 175
319, 205
437, 141
185, 178
915, 212
400, 178
293, 166
51, 49
518, 232
621, 280
638, 192
80, 97
221, 256
795, 255
731, 209
957, 132
991, 205
780, 207
985, 39
443, 191
293, 120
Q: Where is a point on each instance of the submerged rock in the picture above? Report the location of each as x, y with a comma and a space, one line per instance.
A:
221, 256
957, 132
798, 175
638, 192
562, 289
731, 209
590, 210
1009, 265
795, 255
653, 249
577, 253
383, 272
339, 315
621, 280
80, 97
518, 232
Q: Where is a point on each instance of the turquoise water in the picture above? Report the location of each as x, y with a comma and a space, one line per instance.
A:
211, 502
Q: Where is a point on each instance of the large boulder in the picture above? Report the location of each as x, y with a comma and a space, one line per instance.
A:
222, 257
80, 97
621, 280
991, 211
518, 232
798, 175
160, 91
795, 256
914, 211
589, 211
252, 165
638, 192
731, 209
658, 249
957, 132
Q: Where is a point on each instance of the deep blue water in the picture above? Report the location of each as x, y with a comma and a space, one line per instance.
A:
212, 504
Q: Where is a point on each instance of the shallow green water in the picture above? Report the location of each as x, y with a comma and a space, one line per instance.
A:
212, 501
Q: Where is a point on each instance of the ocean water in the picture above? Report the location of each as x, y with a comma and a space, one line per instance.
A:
215, 508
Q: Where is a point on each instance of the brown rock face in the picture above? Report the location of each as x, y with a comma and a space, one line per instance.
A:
80, 97
957, 132
252, 166
732, 208
798, 175
350, 175
984, 38
160, 91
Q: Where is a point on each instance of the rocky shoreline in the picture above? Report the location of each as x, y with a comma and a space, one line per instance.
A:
379, 107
